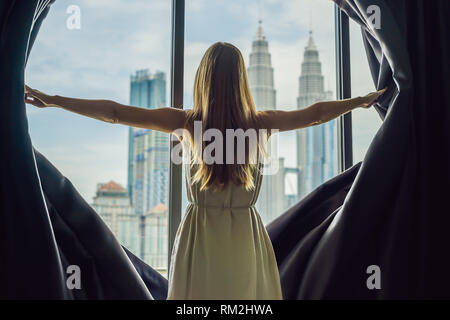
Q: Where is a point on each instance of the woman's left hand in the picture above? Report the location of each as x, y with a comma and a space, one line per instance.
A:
371, 98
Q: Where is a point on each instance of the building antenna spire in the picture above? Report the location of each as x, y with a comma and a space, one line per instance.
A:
259, 32
259, 12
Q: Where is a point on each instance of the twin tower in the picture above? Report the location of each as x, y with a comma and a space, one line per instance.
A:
315, 146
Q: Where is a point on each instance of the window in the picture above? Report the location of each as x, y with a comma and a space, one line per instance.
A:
120, 52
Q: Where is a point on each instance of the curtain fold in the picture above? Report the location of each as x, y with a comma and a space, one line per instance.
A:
395, 215
23, 210
45, 225
296, 233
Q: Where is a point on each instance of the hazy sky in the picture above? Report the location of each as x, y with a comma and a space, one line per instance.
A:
118, 37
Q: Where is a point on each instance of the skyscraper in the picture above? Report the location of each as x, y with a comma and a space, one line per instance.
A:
316, 156
148, 150
260, 72
271, 201
112, 203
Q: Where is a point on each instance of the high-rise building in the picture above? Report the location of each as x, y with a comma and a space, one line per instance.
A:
156, 236
316, 156
260, 72
271, 200
112, 203
148, 150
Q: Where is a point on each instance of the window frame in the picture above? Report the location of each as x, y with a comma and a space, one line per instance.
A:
343, 88
176, 101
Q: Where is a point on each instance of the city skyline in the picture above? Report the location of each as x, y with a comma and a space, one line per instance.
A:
120, 44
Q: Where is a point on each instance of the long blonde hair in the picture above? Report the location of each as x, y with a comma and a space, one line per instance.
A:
222, 100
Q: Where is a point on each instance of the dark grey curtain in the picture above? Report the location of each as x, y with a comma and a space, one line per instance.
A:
396, 214
45, 225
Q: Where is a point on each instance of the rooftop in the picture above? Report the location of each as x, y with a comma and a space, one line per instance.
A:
159, 208
111, 186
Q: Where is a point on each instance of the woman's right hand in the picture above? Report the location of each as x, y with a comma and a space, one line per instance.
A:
37, 98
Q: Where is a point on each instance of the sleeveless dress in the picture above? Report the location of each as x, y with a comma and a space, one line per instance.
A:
222, 250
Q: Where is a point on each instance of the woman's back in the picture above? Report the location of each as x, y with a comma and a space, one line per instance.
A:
232, 196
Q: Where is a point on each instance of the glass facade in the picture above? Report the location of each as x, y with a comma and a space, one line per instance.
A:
148, 150
148, 169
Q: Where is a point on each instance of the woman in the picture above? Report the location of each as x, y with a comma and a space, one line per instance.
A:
222, 249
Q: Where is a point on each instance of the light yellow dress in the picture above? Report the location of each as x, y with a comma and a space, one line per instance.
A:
222, 250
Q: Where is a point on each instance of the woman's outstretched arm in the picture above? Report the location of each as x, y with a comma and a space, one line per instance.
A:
161, 119
317, 113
